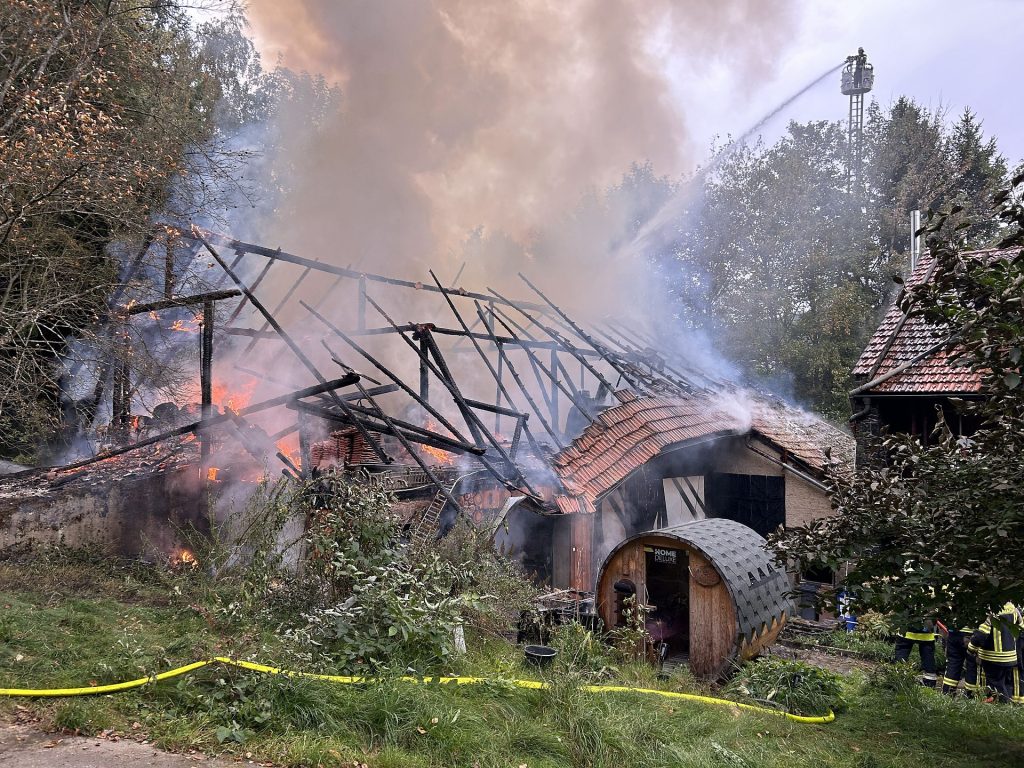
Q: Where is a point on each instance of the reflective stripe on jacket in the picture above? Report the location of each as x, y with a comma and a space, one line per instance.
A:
920, 636
994, 641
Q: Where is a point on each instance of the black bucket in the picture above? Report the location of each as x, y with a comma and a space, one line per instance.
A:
539, 655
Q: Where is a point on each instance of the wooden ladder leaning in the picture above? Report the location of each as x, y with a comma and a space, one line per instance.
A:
425, 529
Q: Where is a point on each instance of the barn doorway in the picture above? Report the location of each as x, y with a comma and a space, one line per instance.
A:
668, 595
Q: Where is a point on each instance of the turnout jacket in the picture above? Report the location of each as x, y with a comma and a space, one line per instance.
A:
994, 641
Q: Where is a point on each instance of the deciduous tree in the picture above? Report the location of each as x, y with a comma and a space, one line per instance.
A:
939, 531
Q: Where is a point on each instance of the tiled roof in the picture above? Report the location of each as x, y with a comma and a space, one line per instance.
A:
625, 437
803, 435
936, 373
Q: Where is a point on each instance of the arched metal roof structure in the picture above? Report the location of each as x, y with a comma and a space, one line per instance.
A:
757, 585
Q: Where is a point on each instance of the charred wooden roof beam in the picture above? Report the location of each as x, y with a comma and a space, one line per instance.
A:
423, 403
470, 415
279, 255
212, 421
567, 345
180, 301
551, 430
598, 347
391, 424
381, 454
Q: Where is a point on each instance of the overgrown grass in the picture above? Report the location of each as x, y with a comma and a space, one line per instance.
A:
863, 644
871, 647
74, 621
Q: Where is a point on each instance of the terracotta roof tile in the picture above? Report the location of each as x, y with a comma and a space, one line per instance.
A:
935, 374
627, 436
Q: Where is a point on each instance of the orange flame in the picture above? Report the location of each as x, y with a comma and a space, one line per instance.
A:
236, 396
211, 474
183, 557
440, 456
289, 446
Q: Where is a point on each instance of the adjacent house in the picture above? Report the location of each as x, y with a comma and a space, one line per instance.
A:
905, 378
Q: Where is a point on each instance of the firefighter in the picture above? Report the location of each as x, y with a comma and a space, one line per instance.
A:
974, 677
1018, 679
995, 646
924, 638
960, 665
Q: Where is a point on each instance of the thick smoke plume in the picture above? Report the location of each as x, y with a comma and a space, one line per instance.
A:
462, 114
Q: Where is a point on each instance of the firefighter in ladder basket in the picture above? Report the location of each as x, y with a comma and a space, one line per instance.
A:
858, 61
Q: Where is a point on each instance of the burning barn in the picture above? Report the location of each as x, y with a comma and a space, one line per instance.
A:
562, 441
131, 505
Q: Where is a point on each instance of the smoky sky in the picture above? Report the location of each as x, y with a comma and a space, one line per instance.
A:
458, 114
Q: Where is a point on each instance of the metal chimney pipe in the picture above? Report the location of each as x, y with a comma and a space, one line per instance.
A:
915, 240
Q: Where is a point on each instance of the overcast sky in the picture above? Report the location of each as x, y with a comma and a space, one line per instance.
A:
948, 53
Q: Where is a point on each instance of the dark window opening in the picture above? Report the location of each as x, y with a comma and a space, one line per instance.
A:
624, 590
757, 501
822, 575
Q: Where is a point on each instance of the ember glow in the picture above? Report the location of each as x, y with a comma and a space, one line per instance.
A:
183, 557
211, 474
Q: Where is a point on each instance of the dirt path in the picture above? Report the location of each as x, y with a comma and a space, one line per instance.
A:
25, 747
842, 664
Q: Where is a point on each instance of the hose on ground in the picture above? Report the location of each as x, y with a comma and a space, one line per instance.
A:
95, 690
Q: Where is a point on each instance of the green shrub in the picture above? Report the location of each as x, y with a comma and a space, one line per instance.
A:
789, 685
369, 603
632, 641
875, 626
579, 649
501, 589
395, 616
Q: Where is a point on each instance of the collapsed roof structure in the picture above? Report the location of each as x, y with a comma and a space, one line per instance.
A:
561, 438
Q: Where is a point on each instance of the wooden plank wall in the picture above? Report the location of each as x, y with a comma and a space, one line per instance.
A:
712, 624
713, 632
627, 563
572, 552
581, 542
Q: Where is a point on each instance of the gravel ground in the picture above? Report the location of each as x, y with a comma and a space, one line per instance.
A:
26, 747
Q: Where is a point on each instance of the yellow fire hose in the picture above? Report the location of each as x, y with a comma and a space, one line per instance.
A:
346, 680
